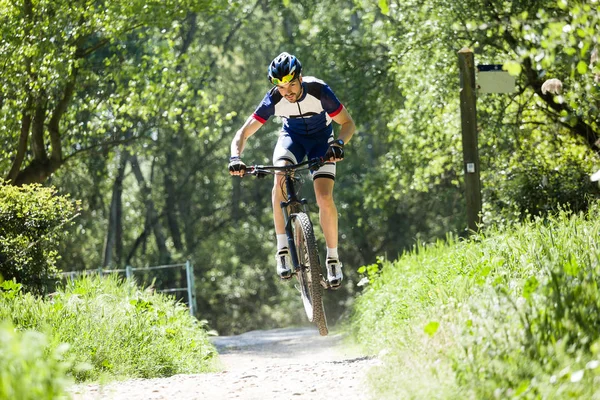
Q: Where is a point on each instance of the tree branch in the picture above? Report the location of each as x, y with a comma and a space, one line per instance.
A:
232, 32
22, 146
580, 128
53, 125
37, 132
110, 143
84, 52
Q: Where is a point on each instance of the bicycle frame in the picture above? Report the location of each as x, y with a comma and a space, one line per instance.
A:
292, 197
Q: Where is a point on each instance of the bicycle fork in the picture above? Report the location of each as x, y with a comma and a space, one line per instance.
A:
288, 219
290, 232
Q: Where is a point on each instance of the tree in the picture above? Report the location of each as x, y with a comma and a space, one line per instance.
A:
71, 77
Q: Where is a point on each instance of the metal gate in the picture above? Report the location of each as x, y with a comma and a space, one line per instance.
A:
130, 273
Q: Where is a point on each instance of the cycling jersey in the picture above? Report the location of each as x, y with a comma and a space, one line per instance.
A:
308, 116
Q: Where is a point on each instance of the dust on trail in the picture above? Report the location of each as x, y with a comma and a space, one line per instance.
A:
280, 364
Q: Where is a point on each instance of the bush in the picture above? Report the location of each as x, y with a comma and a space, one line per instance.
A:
27, 370
536, 334
554, 177
31, 222
510, 314
114, 327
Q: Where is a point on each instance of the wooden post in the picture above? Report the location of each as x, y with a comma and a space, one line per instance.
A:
468, 116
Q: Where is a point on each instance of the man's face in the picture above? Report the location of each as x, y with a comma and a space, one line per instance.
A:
292, 90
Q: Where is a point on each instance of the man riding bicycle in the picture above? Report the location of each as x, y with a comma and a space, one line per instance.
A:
307, 106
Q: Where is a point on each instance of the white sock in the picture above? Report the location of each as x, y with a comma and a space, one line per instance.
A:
332, 253
282, 241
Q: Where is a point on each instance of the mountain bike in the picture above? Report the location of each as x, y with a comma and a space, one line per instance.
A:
301, 238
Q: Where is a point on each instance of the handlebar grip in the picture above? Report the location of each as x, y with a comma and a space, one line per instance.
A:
316, 163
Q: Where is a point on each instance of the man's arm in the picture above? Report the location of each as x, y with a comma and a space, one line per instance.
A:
347, 125
239, 140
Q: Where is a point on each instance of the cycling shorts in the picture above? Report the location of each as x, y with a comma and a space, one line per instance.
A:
293, 148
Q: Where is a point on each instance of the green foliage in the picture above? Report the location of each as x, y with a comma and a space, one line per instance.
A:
30, 369
535, 153
561, 40
237, 288
77, 75
114, 328
32, 220
164, 85
556, 176
511, 314
544, 319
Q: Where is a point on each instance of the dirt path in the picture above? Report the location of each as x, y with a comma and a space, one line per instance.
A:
281, 364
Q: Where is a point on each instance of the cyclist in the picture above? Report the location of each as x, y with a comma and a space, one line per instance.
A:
307, 106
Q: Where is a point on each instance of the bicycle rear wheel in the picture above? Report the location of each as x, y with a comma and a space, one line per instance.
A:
309, 275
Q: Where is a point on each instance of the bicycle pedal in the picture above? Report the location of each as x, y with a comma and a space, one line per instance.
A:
286, 277
325, 284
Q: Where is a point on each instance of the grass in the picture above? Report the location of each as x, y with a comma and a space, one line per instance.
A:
509, 314
28, 371
112, 329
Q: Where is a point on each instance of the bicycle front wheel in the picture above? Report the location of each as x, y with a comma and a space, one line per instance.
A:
309, 275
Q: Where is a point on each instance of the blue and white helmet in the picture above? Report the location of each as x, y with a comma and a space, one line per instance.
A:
284, 68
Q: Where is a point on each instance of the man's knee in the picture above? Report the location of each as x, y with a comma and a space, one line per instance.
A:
325, 200
277, 191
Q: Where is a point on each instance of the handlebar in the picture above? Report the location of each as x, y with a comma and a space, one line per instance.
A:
263, 170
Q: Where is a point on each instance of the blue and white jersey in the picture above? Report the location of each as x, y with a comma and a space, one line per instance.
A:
309, 116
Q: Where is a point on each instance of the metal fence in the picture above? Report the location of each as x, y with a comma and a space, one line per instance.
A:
130, 273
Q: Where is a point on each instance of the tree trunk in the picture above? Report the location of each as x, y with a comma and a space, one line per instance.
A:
113, 245
171, 204
152, 220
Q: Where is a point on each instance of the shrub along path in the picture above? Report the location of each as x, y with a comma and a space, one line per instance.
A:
294, 363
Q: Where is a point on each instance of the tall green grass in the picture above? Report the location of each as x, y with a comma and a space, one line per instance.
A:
113, 329
509, 314
28, 371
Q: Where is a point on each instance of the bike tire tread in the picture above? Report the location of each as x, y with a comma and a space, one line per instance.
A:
319, 318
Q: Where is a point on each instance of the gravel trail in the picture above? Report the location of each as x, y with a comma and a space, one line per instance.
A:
280, 364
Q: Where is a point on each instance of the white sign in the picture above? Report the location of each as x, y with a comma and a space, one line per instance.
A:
492, 79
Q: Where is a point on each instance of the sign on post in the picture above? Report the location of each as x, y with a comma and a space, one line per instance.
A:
492, 79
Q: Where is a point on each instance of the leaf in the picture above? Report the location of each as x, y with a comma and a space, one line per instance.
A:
571, 267
530, 286
383, 5
431, 328
582, 67
513, 68
522, 388
562, 4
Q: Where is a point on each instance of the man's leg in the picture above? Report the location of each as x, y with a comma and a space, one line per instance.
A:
285, 152
328, 216
284, 264
328, 219
277, 198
